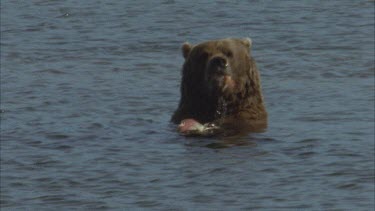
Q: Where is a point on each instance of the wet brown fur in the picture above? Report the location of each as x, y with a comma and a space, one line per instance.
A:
244, 105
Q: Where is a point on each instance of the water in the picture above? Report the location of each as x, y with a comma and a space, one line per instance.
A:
88, 88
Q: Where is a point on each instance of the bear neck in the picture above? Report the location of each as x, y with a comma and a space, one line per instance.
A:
208, 109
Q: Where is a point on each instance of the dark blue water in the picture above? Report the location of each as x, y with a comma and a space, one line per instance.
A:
88, 88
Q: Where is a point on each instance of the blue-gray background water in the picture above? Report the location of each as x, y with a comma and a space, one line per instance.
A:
88, 88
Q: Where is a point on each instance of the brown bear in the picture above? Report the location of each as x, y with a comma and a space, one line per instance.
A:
221, 85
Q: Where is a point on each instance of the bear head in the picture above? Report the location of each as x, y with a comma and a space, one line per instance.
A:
219, 78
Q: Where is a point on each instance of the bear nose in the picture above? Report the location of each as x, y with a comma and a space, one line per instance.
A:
219, 62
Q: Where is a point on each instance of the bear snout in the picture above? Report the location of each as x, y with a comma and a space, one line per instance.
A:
218, 65
219, 61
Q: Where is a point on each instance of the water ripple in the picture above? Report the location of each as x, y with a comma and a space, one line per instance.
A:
87, 91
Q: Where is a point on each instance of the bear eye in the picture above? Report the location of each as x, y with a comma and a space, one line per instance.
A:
204, 55
229, 54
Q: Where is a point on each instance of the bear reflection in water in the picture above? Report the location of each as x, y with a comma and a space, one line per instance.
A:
220, 89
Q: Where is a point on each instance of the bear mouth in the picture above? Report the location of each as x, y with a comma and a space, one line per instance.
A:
220, 85
219, 76
228, 83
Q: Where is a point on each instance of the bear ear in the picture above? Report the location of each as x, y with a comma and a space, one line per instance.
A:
247, 42
186, 48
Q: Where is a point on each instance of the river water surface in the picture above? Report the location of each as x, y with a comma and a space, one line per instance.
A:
88, 89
